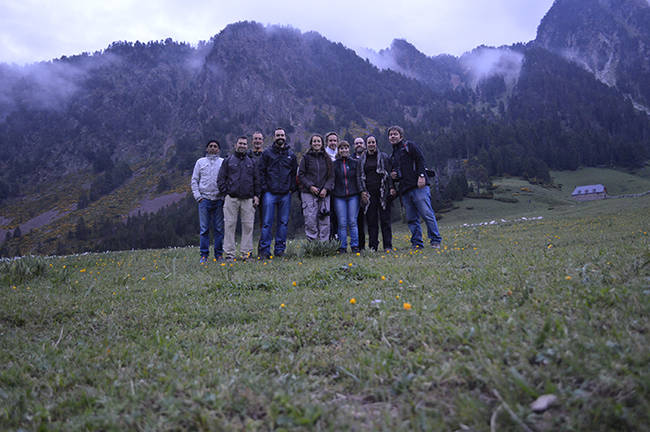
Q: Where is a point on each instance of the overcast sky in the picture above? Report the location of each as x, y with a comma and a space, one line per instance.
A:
33, 30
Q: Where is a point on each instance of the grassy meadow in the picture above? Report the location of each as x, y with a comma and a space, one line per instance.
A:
464, 338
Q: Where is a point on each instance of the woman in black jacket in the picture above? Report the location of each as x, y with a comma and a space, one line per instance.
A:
348, 191
316, 180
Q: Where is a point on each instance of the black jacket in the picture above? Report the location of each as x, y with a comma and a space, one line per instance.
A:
278, 169
347, 178
383, 170
315, 169
238, 177
408, 161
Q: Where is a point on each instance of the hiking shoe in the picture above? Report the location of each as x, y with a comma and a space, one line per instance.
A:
204, 260
435, 245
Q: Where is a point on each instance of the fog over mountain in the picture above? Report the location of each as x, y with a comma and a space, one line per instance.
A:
484, 62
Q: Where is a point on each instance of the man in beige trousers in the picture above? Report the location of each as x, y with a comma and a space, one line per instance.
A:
238, 181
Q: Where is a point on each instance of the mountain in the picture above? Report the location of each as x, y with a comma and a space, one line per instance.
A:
609, 38
88, 141
441, 73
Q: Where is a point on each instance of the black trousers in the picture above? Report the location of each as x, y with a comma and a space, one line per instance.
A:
334, 223
361, 224
376, 216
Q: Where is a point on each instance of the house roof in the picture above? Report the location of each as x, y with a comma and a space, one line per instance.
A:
589, 189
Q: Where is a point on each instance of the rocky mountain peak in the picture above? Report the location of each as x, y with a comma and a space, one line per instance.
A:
609, 38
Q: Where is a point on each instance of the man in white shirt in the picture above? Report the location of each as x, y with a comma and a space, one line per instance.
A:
206, 194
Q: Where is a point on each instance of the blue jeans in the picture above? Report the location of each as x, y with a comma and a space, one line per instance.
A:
283, 204
211, 216
417, 203
347, 210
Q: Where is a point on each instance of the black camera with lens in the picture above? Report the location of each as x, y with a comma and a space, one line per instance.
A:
323, 213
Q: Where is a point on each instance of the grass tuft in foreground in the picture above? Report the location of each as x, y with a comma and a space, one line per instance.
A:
500, 315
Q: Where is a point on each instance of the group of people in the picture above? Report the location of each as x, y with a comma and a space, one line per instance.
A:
342, 190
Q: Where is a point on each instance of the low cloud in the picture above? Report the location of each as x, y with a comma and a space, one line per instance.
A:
382, 60
44, 85
485, 62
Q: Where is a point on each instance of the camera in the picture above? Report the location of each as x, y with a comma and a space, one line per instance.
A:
323, 213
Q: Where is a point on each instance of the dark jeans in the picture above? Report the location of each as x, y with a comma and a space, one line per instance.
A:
272, 202
347, 210
211, 216
375, 216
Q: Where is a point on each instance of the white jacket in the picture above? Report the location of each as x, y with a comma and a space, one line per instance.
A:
204, 177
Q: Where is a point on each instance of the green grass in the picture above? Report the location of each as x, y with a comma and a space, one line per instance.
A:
535, 200
152, 340
617, 182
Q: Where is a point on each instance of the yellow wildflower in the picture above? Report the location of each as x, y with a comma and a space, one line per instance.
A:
407, 306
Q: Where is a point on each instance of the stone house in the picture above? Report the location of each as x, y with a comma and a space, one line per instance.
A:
589, 192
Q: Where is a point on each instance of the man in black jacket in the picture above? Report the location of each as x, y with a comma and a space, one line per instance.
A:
256, 153
238, 181
277, 168
408, 169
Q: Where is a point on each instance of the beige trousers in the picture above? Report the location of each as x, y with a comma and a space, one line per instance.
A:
231, 208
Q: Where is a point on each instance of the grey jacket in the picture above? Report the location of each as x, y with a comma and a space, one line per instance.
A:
204, 178
315, 169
